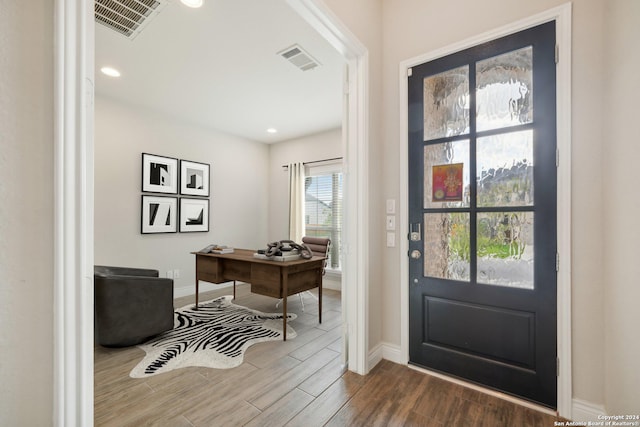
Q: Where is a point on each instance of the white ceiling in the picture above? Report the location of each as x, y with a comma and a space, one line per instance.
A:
218, 66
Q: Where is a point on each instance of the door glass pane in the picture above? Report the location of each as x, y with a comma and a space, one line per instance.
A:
503, 94
505, 169
444, 165
505, 249
446, 103
446, 245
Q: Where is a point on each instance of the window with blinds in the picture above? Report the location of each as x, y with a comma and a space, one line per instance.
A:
323, 209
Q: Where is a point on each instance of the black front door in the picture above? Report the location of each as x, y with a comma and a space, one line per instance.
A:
482, 214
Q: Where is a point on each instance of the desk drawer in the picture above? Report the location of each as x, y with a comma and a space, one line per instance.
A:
237, 270
303, 281
265, 280
209, 269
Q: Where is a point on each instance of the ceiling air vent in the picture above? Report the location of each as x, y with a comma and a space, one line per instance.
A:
127, 17
298, 57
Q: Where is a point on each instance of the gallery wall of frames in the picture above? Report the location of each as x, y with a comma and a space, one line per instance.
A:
175, 195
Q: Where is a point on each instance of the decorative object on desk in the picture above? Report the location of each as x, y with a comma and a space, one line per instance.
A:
217, 249
223, 250
159, 214
194, 178
194, 215
214, 336
284, 250
159, 174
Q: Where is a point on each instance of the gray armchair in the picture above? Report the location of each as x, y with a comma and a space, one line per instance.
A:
131, 305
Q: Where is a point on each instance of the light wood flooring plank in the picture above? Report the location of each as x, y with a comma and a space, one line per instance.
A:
283, 410
323, 408
223, 398
270, 393
323, 378
264, 354
311, 348
237, 413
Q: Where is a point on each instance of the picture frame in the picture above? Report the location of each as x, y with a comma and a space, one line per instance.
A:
194, 178
194, 215
159, 214
159, 174
447, 182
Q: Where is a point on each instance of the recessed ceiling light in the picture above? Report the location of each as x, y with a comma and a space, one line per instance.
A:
109, 71
272, 130
192, 3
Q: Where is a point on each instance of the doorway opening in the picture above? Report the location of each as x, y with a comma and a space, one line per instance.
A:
73, 305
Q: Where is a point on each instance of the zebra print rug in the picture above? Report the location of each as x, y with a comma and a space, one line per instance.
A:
215, 336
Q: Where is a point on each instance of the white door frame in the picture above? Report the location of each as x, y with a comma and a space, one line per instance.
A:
355, 153
562, 16
74, 198
73, 213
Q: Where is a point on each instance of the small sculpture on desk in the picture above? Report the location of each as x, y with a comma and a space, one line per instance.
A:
283, 248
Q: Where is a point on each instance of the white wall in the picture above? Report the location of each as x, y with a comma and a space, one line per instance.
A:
26, 213
325, 145
239, 189
621, 152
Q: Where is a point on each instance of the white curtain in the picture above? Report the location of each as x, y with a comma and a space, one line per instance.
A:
296, 201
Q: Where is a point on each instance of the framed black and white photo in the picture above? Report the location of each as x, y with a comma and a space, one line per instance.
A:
194, 215
159, 214
194, 178
159, 174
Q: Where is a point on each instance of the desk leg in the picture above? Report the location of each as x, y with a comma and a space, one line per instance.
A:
285, 292
320, 300
197, 291
234, 290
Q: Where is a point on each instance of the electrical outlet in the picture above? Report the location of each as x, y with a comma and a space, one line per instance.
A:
169, 274
176, 274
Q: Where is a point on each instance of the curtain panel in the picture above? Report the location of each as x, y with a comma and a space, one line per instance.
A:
296, 201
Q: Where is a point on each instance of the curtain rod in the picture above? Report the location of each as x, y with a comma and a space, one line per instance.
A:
316, 161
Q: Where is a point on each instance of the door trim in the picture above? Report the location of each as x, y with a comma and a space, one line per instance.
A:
562, 16
355, 247
73, 214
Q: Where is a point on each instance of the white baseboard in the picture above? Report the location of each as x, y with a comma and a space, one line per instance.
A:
185, 291
332, 281
386, 351
375, 356
586, 411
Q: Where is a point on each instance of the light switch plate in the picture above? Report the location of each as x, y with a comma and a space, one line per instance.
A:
391, 206
391, 239
391, 222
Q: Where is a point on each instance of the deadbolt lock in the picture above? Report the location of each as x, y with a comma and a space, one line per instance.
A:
415, 232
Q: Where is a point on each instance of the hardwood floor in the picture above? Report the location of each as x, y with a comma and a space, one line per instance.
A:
294, 383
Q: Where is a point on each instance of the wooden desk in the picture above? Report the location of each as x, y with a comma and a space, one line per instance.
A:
277, 279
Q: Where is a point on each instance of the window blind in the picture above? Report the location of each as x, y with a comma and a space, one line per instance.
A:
323, 209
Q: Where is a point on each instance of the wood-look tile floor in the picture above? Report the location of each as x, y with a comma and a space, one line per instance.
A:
294, 383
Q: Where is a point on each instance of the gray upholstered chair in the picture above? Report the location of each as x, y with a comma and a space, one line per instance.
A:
131, 305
